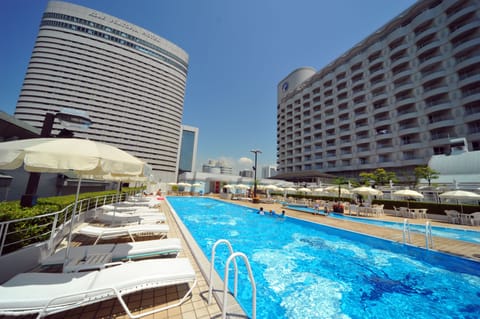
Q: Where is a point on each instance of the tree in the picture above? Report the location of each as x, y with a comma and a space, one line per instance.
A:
340, 181
380, 176
425, 172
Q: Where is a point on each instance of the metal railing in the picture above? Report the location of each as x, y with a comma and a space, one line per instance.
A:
18, 233
232, 257
406, 231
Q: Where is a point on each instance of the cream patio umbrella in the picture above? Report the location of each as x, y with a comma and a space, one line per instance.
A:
269, 188
304, 190
337, 190
408, 193
460, 195
56, 155
367, 191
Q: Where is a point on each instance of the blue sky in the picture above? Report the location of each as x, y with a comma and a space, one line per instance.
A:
239, 51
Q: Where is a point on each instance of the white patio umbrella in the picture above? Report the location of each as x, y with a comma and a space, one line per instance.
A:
408, 193
304, 190
335, 189
269, 188
460, 195
367, 191
57, 155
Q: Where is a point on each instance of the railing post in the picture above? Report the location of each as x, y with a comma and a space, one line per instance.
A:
212, 263
52, 232
3, 231
225, 284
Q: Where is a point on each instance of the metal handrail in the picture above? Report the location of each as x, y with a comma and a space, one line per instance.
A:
85, 203
252, 281
428, 235
406, 231
212, 262
231, 258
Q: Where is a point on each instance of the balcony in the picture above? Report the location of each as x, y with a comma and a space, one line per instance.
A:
434, 90
469, 78
424, 47
440, 123
431, 59
433, 74
452, 16
464, 44
467, 59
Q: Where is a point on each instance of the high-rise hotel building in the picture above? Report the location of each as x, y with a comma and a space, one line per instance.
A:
130, 81
392, 101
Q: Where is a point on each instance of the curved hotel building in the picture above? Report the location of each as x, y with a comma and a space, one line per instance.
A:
130, 81
392, 101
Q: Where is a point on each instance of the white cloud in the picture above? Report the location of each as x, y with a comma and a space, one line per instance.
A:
244, 163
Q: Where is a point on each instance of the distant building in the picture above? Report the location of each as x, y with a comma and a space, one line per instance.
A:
391, 101
129, 80
269, 171
188, 149
246, 173
460, 168
217, 167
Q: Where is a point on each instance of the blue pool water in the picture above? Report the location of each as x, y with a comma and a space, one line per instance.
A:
306, 270
472, 236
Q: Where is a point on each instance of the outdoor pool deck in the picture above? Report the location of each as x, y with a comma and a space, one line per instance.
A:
196, 307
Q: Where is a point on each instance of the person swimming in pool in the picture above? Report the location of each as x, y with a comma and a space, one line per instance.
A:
261, 212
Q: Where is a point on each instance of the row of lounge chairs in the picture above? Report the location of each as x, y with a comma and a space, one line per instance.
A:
93, 273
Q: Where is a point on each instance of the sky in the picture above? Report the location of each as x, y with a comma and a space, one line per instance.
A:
238, 52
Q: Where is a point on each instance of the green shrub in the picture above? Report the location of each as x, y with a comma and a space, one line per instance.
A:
23, 233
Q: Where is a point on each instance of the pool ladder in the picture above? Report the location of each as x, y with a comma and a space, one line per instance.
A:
428, 235
406, 231
231, 258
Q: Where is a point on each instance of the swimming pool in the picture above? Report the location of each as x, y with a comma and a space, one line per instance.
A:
472, 236
306, 270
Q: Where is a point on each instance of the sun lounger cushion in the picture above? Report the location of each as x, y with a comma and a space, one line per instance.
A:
127, 218
112, 232
31, 292
121, 251
127, 230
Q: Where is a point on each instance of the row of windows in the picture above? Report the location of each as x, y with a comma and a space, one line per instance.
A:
114, 39
113, 31
399, 55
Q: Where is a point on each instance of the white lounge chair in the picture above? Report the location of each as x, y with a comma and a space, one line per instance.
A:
453, 216
128, 218
120, 251
130, 230
47, 293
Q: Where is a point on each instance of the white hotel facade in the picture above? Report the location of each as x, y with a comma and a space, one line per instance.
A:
392, 101
130, 81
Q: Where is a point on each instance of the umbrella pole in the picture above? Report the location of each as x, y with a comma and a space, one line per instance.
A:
115, 207
67, 251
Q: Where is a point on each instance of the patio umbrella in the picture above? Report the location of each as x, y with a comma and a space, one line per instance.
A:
57, 155
408, 193
459, 195
304, 190
367, 191
336, 189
